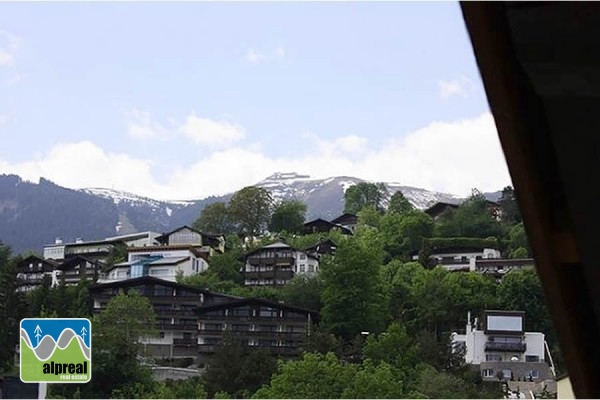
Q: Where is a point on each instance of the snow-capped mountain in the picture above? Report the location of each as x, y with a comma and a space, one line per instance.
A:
325, 197
34, 214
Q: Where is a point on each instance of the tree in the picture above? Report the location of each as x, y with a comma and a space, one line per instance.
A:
224, 366
369, 216
399, 204
394, 347
215, 218
352, 295
12, 307
315, 376
379, 381
116, 334
288, 216
403, 233
365, 194
510, 212
303, 291
471, 219
250, 208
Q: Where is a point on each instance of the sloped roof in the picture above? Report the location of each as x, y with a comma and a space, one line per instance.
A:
255, 301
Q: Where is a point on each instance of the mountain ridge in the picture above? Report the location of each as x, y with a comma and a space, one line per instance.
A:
34, 214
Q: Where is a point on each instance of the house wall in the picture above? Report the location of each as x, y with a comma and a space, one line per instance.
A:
54, 252
564, 389
185, 236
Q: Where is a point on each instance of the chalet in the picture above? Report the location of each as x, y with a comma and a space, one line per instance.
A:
262, 324
175, 308
161, 261
321, 226
186, 235
276, 264
77, 268
440, 209
346, 220
32, 270
323, 246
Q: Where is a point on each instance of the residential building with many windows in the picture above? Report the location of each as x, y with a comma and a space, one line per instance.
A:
276, 264
262, 324
175, 307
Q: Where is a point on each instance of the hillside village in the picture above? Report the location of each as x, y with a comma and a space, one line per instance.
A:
252, 300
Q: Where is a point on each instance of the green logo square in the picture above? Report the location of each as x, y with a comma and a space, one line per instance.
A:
56, 350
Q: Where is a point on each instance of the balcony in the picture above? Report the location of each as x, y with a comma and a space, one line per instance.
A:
255, 260
177, 327
276, 273
505, 346
187, 342
174, 312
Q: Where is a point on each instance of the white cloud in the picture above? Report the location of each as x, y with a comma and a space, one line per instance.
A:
451, 157
141, 125
281, 54
9, 44
212, 133
253, 56
461, 86
3, 119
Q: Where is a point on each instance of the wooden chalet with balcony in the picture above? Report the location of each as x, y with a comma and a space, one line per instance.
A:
174, 305
257, 323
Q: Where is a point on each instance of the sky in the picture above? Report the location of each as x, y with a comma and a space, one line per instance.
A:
183, 100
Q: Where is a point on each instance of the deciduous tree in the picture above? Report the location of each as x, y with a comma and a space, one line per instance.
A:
250, 208
288, 216
215, 218
365, 194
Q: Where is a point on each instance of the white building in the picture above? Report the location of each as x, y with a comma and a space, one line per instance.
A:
276, 264
164, 262
461, 259
502, 349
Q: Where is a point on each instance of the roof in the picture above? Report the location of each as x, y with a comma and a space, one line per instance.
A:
323, 223
439, 207
164, 237
144, 280
254, 300
71, 262
344, 216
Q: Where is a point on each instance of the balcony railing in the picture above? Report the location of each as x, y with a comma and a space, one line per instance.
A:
177, 327
250, 318
185, 342
163, 311
270, 260
504, 346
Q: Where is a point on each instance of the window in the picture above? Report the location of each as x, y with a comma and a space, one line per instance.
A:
241, 312
162, 335
532, 358
302, 256
488, 373
302, 267
507, 373
269, 312
493, 357
533, 374
311, 268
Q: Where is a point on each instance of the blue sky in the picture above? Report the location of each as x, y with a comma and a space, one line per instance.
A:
183, 100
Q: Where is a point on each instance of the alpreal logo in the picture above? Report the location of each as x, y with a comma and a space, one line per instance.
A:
56, 350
